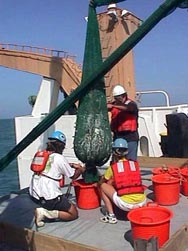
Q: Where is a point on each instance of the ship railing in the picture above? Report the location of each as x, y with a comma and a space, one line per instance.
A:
37, 50
166, 95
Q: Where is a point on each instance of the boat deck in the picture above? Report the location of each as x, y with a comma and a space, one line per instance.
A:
18, 209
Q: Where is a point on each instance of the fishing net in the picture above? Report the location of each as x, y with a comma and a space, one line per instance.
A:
92, 141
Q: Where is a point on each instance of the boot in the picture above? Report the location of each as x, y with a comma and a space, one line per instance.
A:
41, 213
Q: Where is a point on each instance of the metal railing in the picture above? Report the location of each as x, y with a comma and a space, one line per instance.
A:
36, 50
167, 99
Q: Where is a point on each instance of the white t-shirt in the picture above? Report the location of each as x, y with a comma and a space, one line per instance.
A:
47, 188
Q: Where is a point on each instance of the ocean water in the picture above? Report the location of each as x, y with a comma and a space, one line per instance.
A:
9, 175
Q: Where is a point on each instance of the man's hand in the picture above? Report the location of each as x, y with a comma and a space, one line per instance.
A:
109, 106
78, 167
118, 102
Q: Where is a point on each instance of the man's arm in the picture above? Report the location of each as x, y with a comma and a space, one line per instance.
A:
79, 169
130, 107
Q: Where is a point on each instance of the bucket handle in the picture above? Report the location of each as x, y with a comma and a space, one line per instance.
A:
183, 179
166, 168
178, 174
175, 175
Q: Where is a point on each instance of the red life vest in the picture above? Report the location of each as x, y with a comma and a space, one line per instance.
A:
123, 120
127, 177
39, 162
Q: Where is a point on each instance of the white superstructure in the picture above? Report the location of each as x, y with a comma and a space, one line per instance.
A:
151, 123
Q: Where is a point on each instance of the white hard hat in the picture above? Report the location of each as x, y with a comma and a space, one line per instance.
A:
113, 5
118, 90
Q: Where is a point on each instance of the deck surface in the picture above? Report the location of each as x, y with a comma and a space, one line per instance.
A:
18, 209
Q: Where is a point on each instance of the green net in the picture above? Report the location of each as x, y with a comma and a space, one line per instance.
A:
92, 141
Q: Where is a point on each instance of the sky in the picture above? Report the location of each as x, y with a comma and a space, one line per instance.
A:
160, 57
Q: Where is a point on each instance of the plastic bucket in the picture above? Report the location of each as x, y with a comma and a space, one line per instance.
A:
150, 221
166, 189
172, 170
184, 174
87, 194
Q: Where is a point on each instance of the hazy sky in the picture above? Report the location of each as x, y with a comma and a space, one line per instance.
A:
160, 58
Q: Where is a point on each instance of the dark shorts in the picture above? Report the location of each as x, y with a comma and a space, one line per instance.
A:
61, 203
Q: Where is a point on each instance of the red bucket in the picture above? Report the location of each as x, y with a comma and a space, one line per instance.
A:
87, 194
172, 170
166, 189
184, 188
149, 221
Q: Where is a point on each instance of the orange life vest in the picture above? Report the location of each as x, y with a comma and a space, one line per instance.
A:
39, 162
123, 120
127, 177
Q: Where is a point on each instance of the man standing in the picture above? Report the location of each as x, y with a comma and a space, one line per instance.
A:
124, 120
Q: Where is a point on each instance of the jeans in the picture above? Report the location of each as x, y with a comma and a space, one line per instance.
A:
132, 150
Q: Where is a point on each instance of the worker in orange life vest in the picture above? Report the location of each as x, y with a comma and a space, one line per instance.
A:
45, 188
124, 120
121, 183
